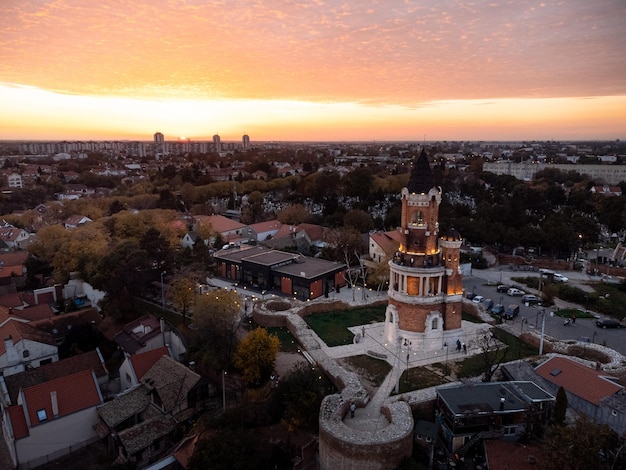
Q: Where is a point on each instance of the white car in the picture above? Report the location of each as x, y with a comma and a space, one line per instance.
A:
513, 292
559, 278
478, 299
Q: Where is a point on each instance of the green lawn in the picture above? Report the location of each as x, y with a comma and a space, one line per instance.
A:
516, 349
332, 327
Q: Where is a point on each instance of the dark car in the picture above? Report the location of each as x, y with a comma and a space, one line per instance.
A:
498, 309
502, 288
470, 295
608, 323
487, 303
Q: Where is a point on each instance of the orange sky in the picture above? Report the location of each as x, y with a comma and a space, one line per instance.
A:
313, 69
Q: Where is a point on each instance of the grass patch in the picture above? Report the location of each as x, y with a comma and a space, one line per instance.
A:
332, 327
569, 312
516, 349
372, 369
419, 378
288, 342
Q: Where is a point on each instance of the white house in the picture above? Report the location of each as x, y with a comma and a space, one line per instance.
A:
24, 347
52, 419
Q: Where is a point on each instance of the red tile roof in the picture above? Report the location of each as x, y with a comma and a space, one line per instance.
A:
584, 382
266, 226
18, 421
504, 455
91, 360
74, 393
389, 242
19, 331
219, 223
143, 361
35, 313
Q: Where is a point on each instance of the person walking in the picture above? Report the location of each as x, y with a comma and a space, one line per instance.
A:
464, 348
352, 408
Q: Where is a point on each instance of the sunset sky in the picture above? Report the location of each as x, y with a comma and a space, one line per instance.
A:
313, 69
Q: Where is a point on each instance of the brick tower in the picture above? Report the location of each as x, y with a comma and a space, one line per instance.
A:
425, 288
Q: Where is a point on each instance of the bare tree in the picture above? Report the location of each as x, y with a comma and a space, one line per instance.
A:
493, 353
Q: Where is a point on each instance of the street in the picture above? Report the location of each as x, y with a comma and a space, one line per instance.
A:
485, 282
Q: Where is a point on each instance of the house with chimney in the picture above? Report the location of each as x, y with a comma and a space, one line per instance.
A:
147, 333
24, 347
469, 414
141, 423
52, 418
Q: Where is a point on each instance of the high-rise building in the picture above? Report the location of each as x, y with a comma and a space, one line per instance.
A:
245, 141
159, 145
217, 144
425, 280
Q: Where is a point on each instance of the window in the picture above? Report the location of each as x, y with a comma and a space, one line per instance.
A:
509, 430
42, 415
26, 353
435, 323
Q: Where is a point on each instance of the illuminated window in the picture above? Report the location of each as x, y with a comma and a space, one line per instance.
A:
42, 415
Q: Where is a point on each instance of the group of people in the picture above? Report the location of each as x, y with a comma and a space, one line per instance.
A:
460, 346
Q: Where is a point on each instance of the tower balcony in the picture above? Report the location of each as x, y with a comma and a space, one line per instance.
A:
418, 260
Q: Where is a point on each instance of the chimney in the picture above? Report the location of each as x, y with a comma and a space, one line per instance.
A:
55, 404
502, 400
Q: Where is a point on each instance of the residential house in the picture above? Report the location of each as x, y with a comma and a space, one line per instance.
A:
383, 245
470, 413
60, 326
614, 191
589, 390
262, 231
76, 221
24, 347
190, 239
14, 180
147, 333
13, 237
74, 191
229, 230
134, 367
52, 418
141, 422
306, 238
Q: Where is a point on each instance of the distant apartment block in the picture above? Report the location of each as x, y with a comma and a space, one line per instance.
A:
14, 180
605, 174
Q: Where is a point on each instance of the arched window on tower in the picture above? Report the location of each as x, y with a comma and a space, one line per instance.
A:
435, 323
418, 218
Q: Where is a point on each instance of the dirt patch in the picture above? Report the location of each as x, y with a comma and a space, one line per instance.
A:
589, 354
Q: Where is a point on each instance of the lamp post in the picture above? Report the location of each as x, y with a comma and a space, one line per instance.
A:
446, 346
224, 390
163, 290
543, 328
407, 367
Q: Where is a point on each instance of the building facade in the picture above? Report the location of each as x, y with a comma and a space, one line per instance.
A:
425, 280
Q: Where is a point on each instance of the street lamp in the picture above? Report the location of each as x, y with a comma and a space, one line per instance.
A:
163, 290
224, 390
446, 346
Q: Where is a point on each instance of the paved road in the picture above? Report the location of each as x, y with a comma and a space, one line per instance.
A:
484, 282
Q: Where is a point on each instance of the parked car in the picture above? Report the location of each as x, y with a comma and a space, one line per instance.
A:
511, 311
497, 309
530, 299
502, 288
470, 295
513, 292
487, 303
478, 299
608, 323
559, 278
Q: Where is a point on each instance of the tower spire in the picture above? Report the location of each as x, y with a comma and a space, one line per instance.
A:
421, 180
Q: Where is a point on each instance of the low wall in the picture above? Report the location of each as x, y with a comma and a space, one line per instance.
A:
345, 448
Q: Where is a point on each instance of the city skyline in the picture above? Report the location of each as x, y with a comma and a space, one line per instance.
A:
313, 71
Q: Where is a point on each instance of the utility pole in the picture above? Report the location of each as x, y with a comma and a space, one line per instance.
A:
543, 328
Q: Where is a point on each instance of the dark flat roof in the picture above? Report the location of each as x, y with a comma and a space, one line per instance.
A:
270, 258
485, 397
311, 268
